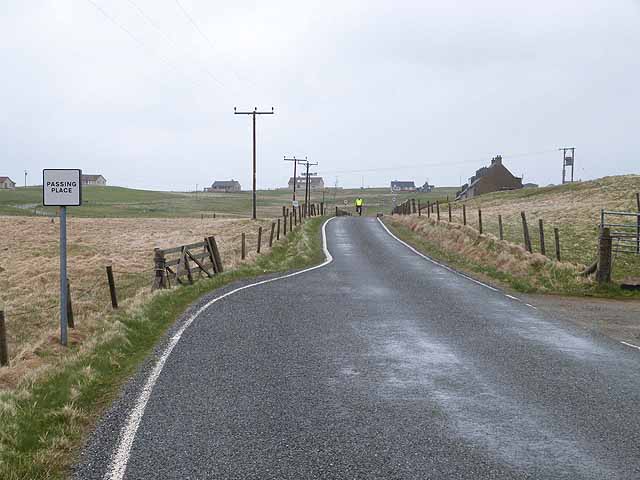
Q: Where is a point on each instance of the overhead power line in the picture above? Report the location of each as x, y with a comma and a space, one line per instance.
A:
434, 164
142, 44
208, 39
170, 39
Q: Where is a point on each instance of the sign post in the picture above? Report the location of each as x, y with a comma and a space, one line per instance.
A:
62, 188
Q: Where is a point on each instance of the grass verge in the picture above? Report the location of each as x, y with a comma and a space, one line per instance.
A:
43, 424
495, 261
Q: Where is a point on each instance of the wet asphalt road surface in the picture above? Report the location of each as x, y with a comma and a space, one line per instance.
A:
380, 365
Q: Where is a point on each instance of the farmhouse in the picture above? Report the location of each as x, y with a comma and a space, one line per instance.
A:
397, 186
7, 184
224, 186
315, 183
93, 180
494, 178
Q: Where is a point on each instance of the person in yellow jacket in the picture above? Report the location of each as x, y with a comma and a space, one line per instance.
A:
359, 204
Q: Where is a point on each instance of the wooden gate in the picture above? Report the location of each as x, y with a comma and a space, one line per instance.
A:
184, 264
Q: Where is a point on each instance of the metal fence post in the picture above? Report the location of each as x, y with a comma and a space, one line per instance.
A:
259, 240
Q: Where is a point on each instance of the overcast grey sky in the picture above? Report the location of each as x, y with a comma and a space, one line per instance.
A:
401, 89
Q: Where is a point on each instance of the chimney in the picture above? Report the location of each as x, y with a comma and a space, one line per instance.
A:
497, 160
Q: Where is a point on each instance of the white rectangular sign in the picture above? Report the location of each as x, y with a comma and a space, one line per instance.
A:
61, 187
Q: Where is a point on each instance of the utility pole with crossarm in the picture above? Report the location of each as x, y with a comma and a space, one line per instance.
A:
295, 180
253, 114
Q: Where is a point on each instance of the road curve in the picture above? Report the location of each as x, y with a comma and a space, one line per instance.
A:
383, 365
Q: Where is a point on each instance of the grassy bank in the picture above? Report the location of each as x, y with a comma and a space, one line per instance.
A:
44, 420
574, 209
499, 262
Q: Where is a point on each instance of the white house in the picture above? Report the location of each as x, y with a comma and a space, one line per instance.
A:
93, 180
7, 184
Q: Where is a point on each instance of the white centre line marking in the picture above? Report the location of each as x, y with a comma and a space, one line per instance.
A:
118, 465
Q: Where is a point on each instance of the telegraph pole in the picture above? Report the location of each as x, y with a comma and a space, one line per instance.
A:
25, 179
307, 185
567, 161
295, 180
253, 114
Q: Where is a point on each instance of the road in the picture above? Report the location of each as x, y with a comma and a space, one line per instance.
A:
380, 364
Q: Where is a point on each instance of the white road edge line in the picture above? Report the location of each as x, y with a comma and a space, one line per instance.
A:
118, 465
631, 345
437, 263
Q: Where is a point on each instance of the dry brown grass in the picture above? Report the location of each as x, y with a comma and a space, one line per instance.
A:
487, 254
573, 209
29, 278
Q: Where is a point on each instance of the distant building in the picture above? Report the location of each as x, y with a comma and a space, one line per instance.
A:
224, 186
397, 186
7, 184
315, 183
530, 185
426, 188
93, 180
494, 178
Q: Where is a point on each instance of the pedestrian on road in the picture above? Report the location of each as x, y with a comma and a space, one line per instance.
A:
359, 204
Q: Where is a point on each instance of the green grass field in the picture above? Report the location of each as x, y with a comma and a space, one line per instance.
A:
119, 202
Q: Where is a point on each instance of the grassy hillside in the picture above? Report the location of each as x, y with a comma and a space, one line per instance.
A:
124, 202
573, 208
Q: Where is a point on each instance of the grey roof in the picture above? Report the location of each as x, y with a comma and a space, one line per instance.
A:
91, 177
397, 183
225, 183
2, 179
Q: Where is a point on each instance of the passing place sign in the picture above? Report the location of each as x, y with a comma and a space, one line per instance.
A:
61, 187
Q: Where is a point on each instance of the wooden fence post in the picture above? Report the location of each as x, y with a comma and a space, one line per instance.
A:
500, 228
449, 204
556, 234
336, 210
187, 266
273, 229
419, 208
259, 240
278, 230
243, 252
291, 215
284, 232
4, 349
160, 280
428, 209
413, 205
438, 209
112, 287
295, 216
464, 214
543, 247
284, 210
525, 231
480, 221
70, 321
603, 274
